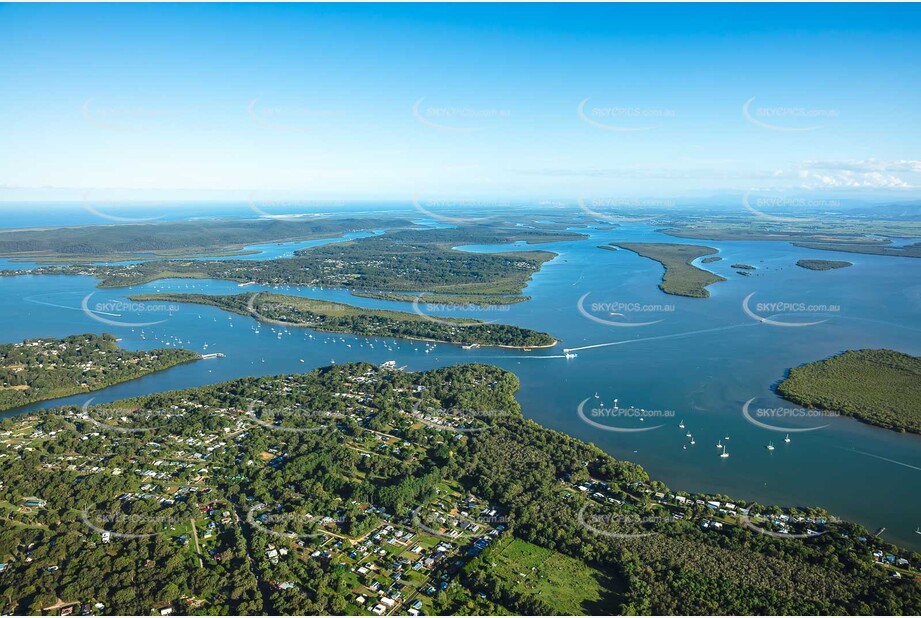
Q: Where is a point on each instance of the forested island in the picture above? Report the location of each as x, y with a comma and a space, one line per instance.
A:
47, 368
173, 238
864, 234
397, 261
681, 278
357, 490
880, 387
822, 264
333, 317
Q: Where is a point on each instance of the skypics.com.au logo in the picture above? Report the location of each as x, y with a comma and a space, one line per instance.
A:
787, 119
291, 118
460, 212
116, 312
609, 210
450, 526
758, 206
621, 119
620, 420
620, 525
773, 417
130, 526
290, 526
617, 312
292, 210
457, 119
458, 420
770, 312
292, 420
125, 420
454, 312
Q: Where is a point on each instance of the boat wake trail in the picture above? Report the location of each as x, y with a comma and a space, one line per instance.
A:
47, 304
900, 463
531, 356
658, 337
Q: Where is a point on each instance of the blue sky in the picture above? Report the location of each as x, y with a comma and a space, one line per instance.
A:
459, 101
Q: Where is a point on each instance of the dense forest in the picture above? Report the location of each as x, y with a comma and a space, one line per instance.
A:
333, 317
868, 232
822, 264
880, 387
174, 237
368, 461
39, 369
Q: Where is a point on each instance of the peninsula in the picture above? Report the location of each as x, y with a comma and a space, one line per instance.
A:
332, 317
681, 278
48, 368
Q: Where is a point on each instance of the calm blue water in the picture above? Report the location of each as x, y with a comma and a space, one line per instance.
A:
703, 359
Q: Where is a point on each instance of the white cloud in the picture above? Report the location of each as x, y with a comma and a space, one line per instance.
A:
867, 165
848, 179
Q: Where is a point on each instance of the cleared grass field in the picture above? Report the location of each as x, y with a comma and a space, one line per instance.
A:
568, 585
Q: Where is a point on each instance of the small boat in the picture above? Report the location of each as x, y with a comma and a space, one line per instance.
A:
681, 424
687, 435
719, 444
770, 446
787, 439
693, 441
724, 454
